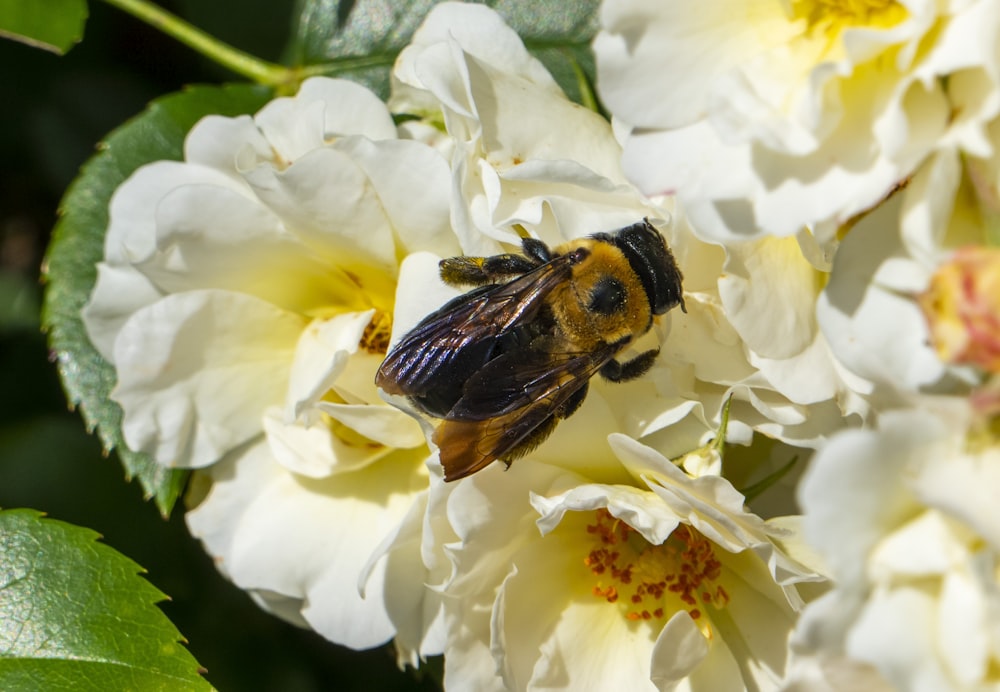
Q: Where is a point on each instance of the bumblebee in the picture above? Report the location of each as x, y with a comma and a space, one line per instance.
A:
502, 364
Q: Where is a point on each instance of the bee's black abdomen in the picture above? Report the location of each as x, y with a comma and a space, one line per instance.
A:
438, 399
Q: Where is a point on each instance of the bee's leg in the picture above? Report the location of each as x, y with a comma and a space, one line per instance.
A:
537, 437
614, 371
479, 271
536, 250
570, 406
539, 434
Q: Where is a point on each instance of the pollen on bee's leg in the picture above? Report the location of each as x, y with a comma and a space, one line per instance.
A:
652, 582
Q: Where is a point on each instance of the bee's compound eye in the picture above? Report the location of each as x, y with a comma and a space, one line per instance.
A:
608, 296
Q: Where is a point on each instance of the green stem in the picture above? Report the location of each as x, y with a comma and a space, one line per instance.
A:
587, 98
260, 71
720, 439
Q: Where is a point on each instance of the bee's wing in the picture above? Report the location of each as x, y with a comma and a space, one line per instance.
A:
473, 321
508, 401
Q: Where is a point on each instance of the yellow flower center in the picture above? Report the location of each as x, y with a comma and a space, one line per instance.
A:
375, 338
833, 16
654, 581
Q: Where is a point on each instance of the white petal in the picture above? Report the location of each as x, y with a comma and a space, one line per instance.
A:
709, 503
963, 486
481, 32
419, 292
893, 633
875, 333
829, 494
414, 609
383, 424
323, 110
679, 649
637, 508
965, 614
810, 378
321, 355
132, 232
558, 638
261, 524
197, 369
227, 144
413, 183
675, 50
923, 547
310, 447
768, 291
120, 291
328, 201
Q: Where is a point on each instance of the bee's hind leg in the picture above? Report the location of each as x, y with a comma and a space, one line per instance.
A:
479, 271
539, 434
613, 371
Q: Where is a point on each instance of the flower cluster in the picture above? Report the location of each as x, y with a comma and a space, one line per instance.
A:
871, 129
796, 494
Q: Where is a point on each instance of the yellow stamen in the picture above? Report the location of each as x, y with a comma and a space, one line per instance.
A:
654, 581
833, 16
376, 336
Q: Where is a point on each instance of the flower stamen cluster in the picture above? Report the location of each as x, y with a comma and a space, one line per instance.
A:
654, 581
375, 338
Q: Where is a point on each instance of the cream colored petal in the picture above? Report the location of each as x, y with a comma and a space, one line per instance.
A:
196, 371
382, 424
326, 200
322, 354
132, 230
655, 60
481, 32
323, 110
312, 448
229, 145
260, 522
768, 291
413, 183
119, 292
894, 634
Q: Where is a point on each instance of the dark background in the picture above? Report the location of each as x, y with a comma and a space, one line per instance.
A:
57, 109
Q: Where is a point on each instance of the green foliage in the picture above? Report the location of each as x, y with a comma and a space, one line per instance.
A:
360, 39
74, 614
77, 245
54, 25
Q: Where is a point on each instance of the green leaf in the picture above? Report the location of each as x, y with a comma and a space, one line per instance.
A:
752, 492
360, 39
77, 245
75, 615
53, 25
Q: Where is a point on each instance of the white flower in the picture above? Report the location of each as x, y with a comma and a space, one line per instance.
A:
765, 117
523, 153
246, 300
215, 266
756, 301
906, 519
636, 585
869, 310
299, 545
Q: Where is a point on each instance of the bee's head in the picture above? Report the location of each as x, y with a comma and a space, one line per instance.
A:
653, 263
